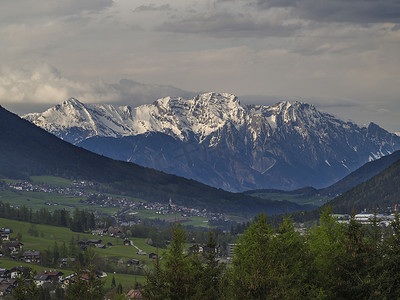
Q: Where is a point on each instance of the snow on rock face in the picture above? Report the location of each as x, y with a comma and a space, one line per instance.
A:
201, 117
177, 117
238, 147
204, 119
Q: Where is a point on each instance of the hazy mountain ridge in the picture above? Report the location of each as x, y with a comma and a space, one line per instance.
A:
217, 141
27, 150
321, 196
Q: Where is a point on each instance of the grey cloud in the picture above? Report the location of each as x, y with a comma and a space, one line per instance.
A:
135, 93
228, 25
152, 7
354, 11
26, 11
44, 84
396, 27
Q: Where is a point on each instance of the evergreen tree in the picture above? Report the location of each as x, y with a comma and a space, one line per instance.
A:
354, 271
26, 287
56, 254
270, 265
155, 286
86, 285
177, 268
387, 282
210, 281
119, 289
326, 245
113, 283
251, 262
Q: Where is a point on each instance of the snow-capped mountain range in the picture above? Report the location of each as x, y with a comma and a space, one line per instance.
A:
214, 139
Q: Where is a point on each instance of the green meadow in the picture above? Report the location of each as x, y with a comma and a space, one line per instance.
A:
48, 235
51, 180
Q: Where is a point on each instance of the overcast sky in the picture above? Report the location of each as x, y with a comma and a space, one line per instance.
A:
343, 56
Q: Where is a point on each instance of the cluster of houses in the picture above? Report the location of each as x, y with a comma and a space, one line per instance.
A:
77, 188
80, 188
366, 218
111, 231
159, 208
54, 278
8, 278
14, 249
97, 243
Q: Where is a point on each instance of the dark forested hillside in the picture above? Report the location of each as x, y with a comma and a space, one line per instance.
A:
382, 190
319, 197
27, 150
361, 175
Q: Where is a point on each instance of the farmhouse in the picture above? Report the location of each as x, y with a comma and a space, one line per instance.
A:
31, 257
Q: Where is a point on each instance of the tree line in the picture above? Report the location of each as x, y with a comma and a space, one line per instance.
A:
78, 220
331, 261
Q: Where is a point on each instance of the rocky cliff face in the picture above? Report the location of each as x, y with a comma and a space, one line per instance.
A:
214, 139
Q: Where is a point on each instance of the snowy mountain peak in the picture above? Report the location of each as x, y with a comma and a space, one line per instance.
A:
72, 100
214, 139
204, 115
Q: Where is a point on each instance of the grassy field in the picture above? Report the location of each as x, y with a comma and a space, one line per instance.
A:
48, 235
126, 280
51, 180
37, 200
299, 199
190, 221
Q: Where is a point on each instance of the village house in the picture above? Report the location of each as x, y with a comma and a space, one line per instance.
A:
93, 242
127, 242
16, 272
31, 257
133, 262
84, 276
48, 277
100, 231
13, 247
6, 286
231, 249
114, 232
196, 249
5, 234
153, 255
67, 261
101, 246
4, 273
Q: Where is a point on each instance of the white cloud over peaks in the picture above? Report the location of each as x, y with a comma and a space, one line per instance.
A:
43, 83
40, 84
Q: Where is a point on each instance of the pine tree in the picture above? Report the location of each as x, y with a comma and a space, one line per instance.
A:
251, 262
175, 278
387, 282
155, 286
210, 278
56, 254
26, 287
113, 284
177, 268
326, 245
354, 267
86, 285
271, 264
